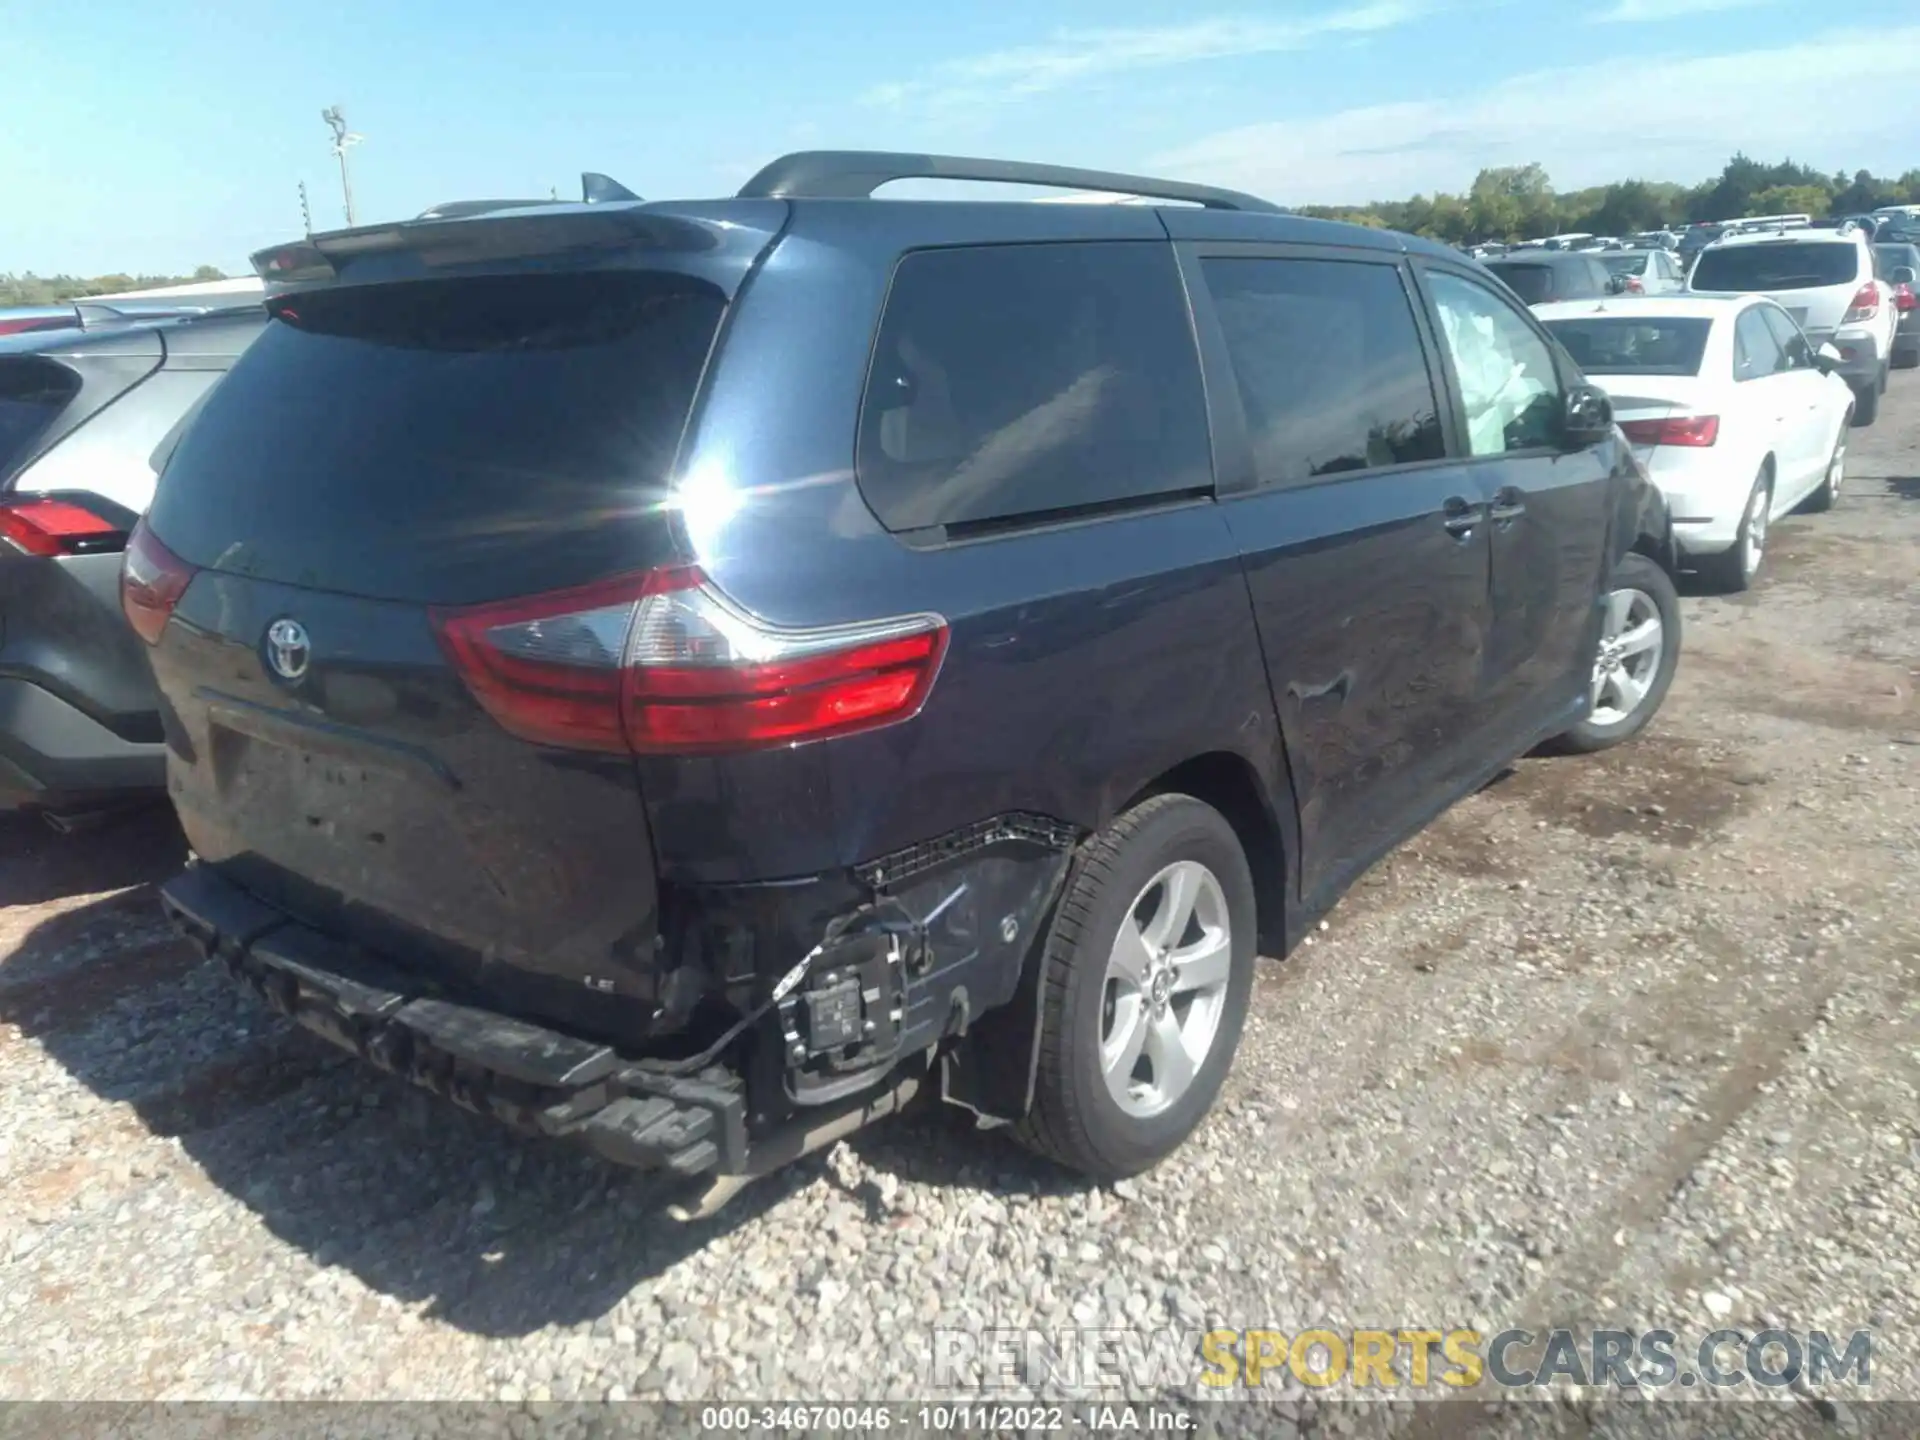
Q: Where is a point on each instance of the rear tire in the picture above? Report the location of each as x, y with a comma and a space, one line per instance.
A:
1866, 406
1649, 598
1735, 569
1110, 1003
1829, 492
1906, 360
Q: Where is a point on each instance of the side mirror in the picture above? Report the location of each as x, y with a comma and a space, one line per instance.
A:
1589, 416
1827, 359
1902, 275
1617, 285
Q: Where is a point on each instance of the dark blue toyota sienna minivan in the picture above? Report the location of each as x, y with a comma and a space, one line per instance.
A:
687, 676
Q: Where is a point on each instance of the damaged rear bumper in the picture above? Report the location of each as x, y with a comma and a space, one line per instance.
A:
536, 1080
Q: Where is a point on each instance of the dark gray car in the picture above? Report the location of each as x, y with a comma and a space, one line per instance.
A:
1898, 264
1541, 277
86, 421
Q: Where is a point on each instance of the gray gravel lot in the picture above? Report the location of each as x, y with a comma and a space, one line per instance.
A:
1629, 1039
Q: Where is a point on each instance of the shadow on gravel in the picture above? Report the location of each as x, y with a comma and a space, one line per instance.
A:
415, 1198
38, 865
1907, 487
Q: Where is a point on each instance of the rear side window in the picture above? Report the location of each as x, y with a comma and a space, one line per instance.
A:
1014, 382
1756, 353
1789, 336
1329, 366
445, 440
1804, 265
1620, 345
33, 392
112, 453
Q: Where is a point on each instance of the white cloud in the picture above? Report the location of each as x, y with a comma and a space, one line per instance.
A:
1073, 56
1624, 116
1649, 11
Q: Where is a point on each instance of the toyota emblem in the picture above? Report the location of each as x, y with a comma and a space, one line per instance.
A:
288, 649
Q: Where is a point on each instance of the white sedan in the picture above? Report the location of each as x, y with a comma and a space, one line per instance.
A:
1737, 417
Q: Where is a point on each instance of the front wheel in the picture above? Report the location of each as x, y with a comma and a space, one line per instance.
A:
1146, 975
1639, 649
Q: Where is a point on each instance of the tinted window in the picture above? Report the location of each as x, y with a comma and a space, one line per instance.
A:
407, 441
1890, 258
1015, 380
1532, 283
1509, 386
1621, 345
1792, 342
1790, 265
1329, 366
32, 392
1626, 263
1755, 352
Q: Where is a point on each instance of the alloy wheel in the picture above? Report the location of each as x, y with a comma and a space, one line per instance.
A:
1632, 641
1165, 988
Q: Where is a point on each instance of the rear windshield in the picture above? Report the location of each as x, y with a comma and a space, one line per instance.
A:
447, 440
1532, 283
1629, 345
1625, 264
1792, 265
32, 392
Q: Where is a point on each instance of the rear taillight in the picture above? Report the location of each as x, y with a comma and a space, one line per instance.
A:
1903, 298
1634, 286
662, 663
1864, 305
152, 580
1695, 430
50, 525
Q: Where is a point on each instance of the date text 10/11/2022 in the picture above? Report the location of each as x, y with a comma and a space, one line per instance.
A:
961, 1417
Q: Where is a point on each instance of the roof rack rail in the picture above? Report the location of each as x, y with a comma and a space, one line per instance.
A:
856, 174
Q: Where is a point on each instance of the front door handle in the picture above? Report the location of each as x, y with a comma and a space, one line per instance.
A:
1507, 507
1460, 517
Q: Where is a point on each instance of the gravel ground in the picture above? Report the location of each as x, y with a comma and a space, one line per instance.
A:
1631, 1039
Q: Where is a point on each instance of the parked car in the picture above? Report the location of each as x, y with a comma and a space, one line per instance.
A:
1542, 276
1646, 272
86, 419
1654, 240
1735, 413
1899, 266
1697, 237
1827, 283
703, 670
89, 315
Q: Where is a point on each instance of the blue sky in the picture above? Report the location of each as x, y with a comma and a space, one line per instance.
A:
157, 136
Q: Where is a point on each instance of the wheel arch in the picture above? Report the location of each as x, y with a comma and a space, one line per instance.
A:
1230, 784
990, 1069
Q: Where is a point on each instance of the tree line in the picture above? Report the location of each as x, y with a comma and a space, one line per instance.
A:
1518, 202
31, 289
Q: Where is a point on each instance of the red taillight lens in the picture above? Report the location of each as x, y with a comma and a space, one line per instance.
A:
1696, 430
1903, 297
662, 663
1864, 305
152, 580
45, 525
1634, 286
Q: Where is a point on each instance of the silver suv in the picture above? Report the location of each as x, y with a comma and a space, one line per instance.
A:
1826, 281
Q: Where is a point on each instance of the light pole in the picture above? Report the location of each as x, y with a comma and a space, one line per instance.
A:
342, 138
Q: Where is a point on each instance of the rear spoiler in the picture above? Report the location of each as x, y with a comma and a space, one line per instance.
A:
438, 237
